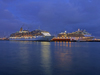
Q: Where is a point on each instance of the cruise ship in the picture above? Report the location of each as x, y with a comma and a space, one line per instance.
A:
80, 35
35, 35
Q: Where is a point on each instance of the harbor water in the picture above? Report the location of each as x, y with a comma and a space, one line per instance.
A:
49, 58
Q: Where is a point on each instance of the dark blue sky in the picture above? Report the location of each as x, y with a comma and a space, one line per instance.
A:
50, 15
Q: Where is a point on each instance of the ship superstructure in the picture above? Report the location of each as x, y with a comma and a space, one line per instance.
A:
35, 35
80, 35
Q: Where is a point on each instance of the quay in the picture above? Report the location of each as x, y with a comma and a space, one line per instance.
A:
60, 40
4, 38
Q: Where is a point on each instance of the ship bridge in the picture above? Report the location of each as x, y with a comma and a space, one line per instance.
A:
46, 33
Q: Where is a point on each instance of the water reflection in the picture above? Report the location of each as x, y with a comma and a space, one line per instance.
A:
46, 58
60, 43
63, 56
24, 56
69, 55
50, 58
66, 44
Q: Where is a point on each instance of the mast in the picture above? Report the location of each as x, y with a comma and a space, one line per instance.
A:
21, 29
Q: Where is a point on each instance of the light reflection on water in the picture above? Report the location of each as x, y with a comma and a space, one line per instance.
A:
24, 56
46, 58
63, 56
71, 57
49, 58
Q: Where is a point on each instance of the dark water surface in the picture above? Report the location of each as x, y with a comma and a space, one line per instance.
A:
49, 58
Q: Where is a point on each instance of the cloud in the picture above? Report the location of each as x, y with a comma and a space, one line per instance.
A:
55, 11
8, 22
52, 15
7, 0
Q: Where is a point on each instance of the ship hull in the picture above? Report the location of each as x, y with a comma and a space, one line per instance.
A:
72, 38
35, 38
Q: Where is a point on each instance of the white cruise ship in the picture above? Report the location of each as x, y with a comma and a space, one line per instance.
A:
36, 35
80, 35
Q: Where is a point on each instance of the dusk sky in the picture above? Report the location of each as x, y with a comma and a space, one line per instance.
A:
54, 16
